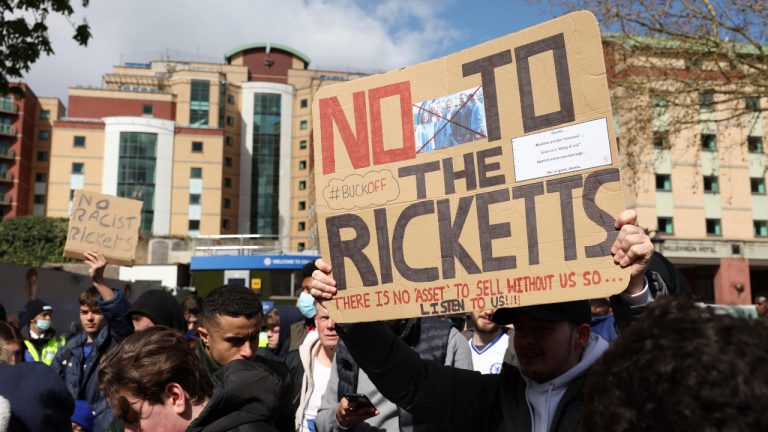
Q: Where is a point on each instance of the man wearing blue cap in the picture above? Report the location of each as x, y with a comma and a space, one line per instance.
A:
544, 392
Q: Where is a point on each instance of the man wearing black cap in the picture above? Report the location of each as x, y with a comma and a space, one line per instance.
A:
40, 340
554, 347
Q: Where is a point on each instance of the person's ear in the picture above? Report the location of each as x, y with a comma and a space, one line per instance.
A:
582, 335
203, 332
176, 397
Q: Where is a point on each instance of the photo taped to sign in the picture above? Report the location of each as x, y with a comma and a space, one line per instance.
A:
490, 220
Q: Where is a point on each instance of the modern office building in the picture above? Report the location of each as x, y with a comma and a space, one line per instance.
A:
211, 148
699, 189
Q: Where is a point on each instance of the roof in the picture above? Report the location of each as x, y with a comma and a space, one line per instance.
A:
632, 41
267, 46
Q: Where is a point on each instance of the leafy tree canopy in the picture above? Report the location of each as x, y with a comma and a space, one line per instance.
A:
24, 35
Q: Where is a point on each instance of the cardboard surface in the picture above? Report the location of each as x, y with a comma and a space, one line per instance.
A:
104, 223
488, 178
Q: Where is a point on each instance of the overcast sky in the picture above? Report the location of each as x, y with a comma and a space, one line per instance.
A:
365, 36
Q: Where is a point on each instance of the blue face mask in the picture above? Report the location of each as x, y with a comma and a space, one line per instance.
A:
306, 305
43, 324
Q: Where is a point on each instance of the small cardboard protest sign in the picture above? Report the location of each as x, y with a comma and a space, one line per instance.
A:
488, 178
104, 223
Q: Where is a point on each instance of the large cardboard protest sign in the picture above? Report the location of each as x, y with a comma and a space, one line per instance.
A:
104, 223
488, 178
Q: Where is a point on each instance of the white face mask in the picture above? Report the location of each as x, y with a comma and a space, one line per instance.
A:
43, 325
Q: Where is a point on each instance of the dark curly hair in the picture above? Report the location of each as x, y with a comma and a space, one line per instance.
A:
681, 367
230, 300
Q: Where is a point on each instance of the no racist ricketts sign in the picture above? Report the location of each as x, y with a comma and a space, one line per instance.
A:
488, 178
104, 223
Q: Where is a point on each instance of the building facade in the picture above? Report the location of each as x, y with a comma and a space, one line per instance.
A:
210, 148
698, 187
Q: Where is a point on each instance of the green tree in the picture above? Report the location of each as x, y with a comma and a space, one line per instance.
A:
32, 240
24, 35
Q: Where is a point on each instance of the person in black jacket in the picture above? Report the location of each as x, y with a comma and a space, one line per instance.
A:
155, 382
554, 346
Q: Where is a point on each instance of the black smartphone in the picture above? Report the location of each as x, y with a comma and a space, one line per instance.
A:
360, 400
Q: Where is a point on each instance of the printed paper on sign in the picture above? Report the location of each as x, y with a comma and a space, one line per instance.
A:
488, 178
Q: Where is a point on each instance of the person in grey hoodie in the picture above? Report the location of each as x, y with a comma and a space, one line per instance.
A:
542, 393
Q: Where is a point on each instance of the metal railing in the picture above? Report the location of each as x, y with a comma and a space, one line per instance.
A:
6, 129
7, 153
5, 199
7, 106
6, 176
236, 244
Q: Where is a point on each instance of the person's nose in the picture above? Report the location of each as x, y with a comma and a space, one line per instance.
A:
246, 351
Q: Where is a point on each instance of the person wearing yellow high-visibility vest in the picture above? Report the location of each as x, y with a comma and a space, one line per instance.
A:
40, 340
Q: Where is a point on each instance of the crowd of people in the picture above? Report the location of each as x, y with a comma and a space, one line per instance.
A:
645, 359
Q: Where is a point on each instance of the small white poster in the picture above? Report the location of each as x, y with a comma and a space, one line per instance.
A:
557, 151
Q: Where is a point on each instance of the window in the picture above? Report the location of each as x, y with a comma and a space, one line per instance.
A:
45, 115
78, 168
194, 225
228, 161
42, 156
302, 226
302, 165
79, 141
761, 228
755, 144
225, 224
660, 140
303, 125
663, 182
39, 199
757, 186
230, 121
227, 182
304, 103
44, 135
752, 103
710, 184
227, 203
199, 103
303, 145
302, 185
230, 99
302, 205
40, 177
713, 227
664, 225
71, 194
228, 141
301, 246
197, 146
707, 101
146, 109
709, 142
194, 199
195, 173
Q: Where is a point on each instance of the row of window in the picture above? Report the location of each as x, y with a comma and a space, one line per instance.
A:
194, 224
711, 184
708, 142
666, 225
707, 102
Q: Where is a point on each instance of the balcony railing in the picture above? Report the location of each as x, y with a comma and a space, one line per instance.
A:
8, 130
5, 199
236, 244
6, 176
9, 107
7, 153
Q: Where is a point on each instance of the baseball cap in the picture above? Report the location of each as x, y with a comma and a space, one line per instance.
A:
35, 307
575, 311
